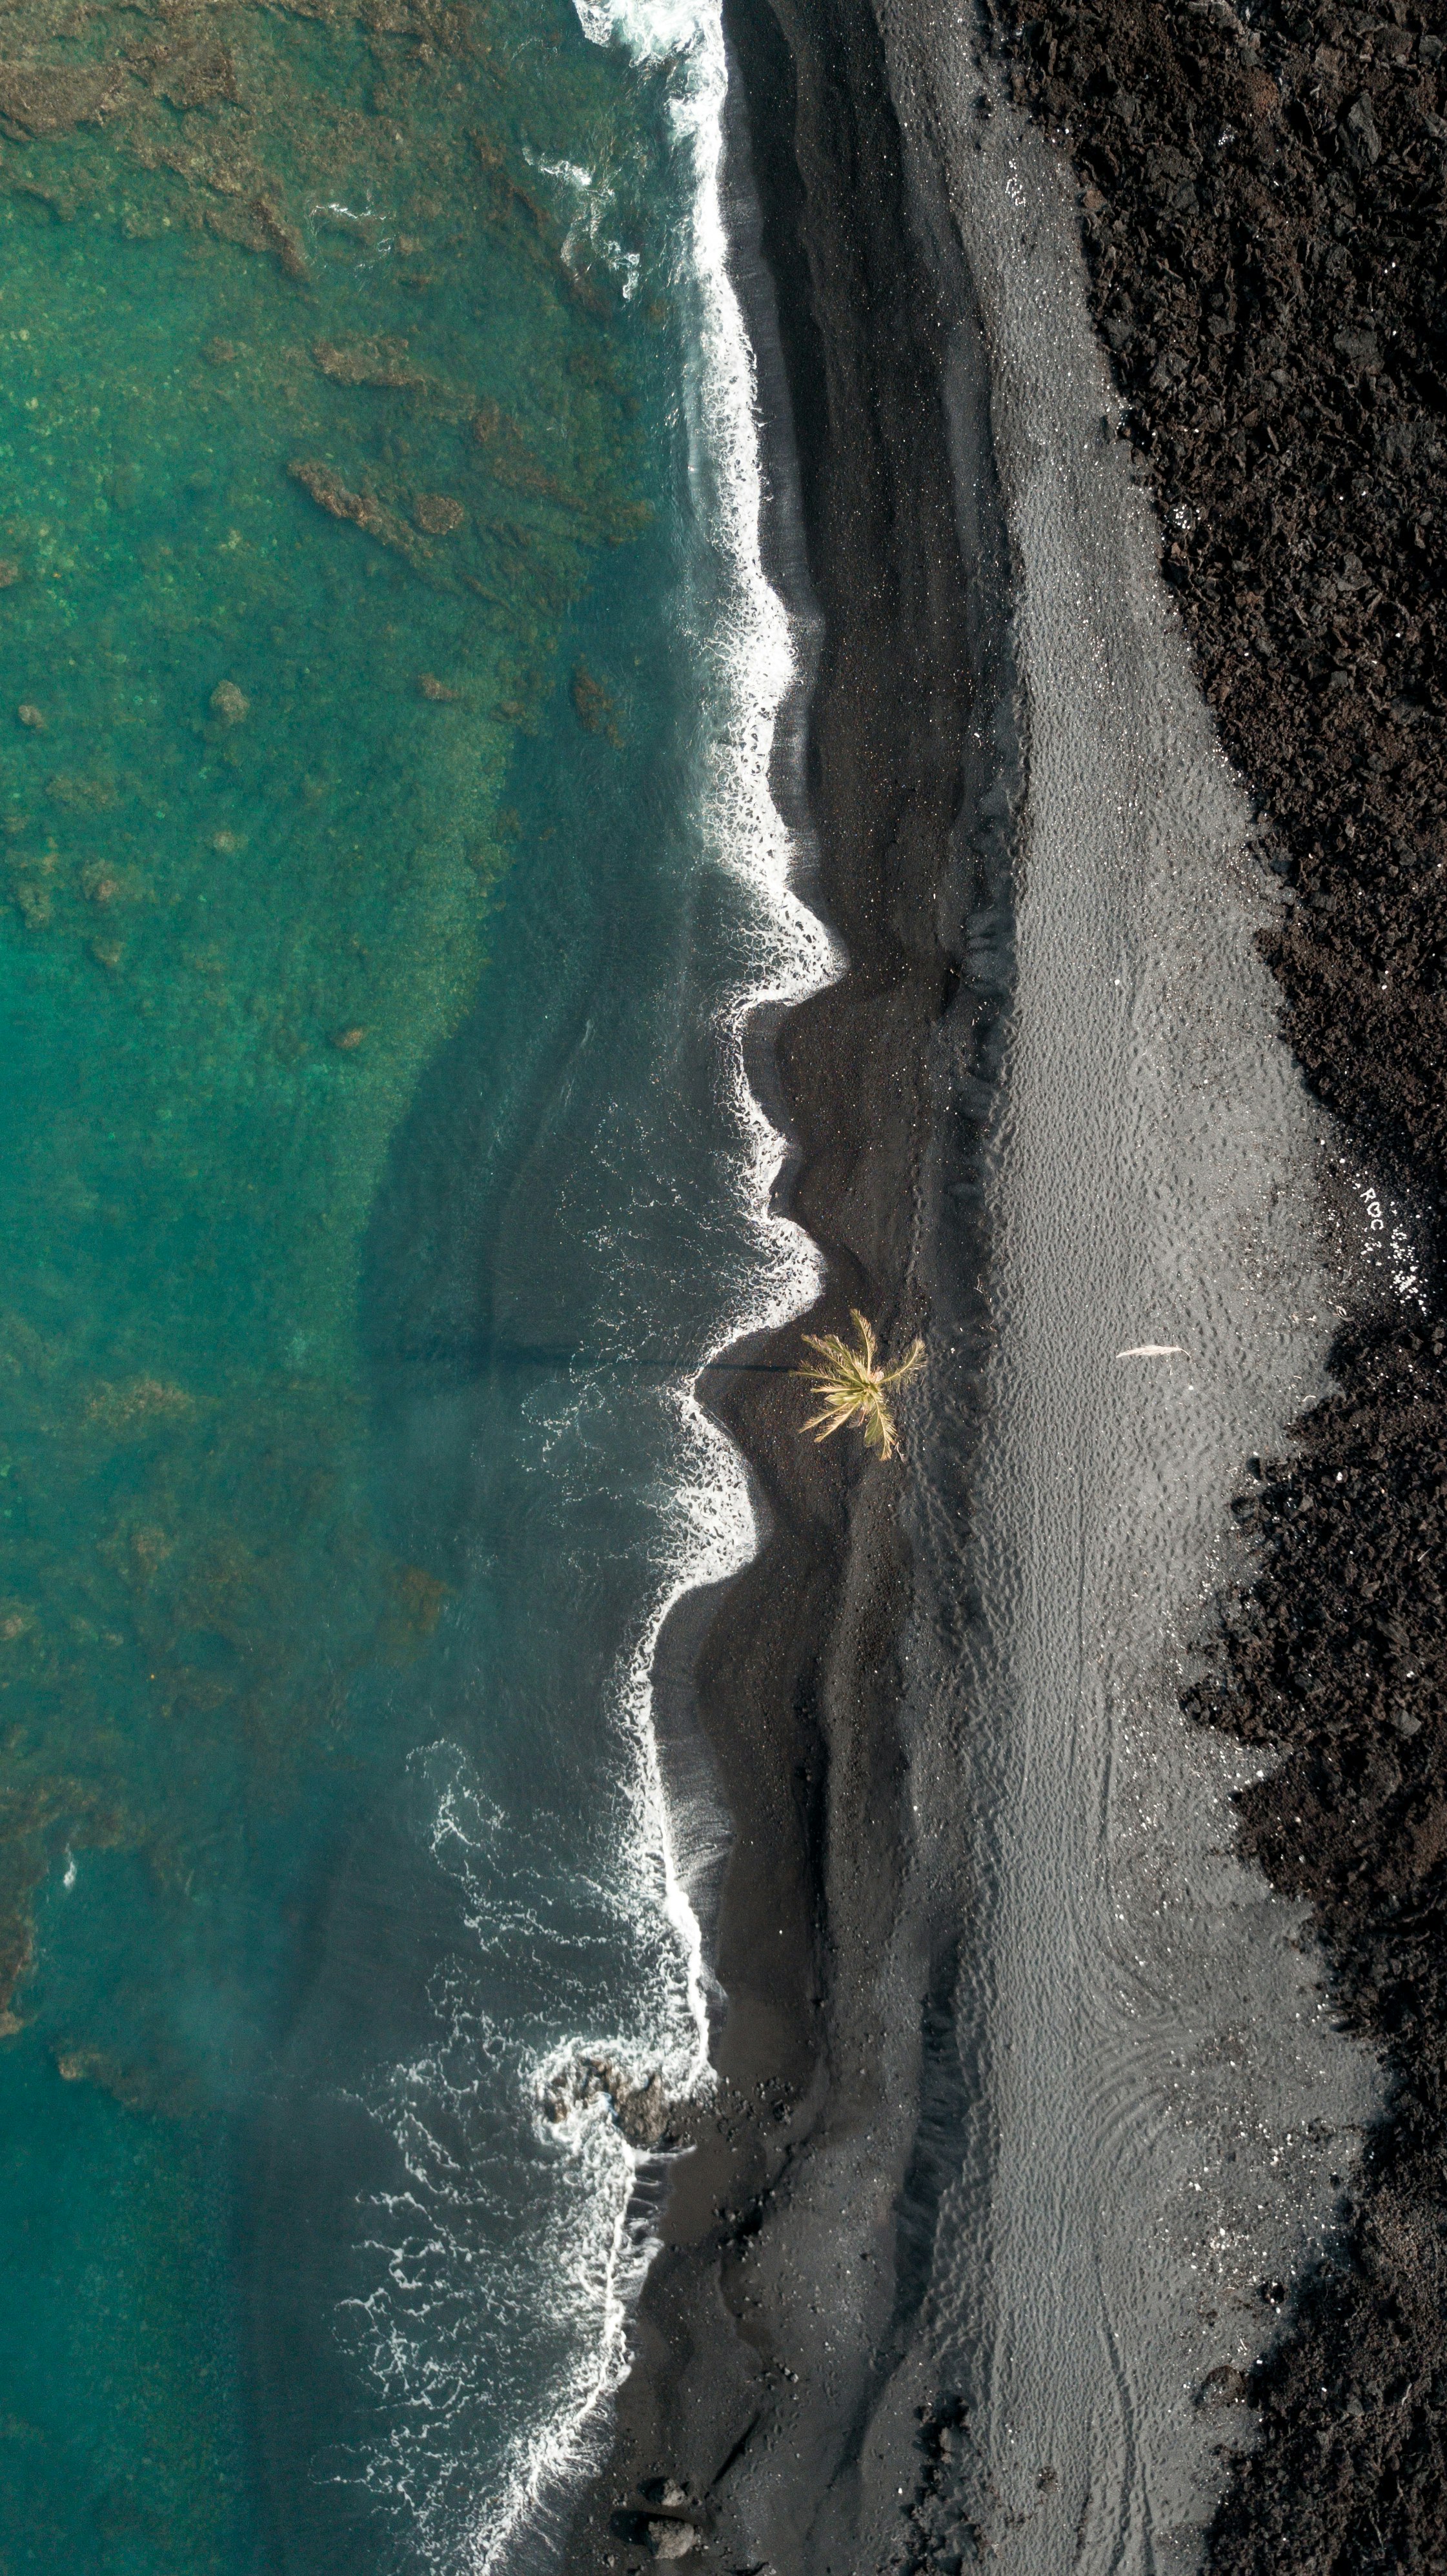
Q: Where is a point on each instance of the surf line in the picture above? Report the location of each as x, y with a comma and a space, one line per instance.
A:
750, 662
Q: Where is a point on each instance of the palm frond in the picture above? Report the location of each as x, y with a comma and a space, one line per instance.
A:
852, 1386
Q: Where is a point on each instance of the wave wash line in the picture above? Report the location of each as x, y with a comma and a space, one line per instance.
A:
748, 657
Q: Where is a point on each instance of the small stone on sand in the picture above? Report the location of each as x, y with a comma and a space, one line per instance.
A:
671, 2539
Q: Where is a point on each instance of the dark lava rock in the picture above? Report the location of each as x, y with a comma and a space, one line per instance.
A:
642, 2111
1265, 224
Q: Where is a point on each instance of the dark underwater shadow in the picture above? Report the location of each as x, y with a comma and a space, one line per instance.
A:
445, 1367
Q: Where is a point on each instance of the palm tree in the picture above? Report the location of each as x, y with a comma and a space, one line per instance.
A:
853, 1386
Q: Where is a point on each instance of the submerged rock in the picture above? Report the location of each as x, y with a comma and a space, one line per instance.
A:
437, 514
43, 98
229, 704
197, 72
381, 361
594, 707
510, 459
330, 493
35, 904
31, 716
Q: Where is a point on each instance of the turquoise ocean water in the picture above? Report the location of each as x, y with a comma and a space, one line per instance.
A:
386, 689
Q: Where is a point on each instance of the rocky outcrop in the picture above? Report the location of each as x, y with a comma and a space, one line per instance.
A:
641, 2110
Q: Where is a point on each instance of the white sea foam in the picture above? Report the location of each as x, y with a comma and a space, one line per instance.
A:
600, 2240
743, 640
430, 2332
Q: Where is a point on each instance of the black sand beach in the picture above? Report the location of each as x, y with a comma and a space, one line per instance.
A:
795, 1683
1263, 218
